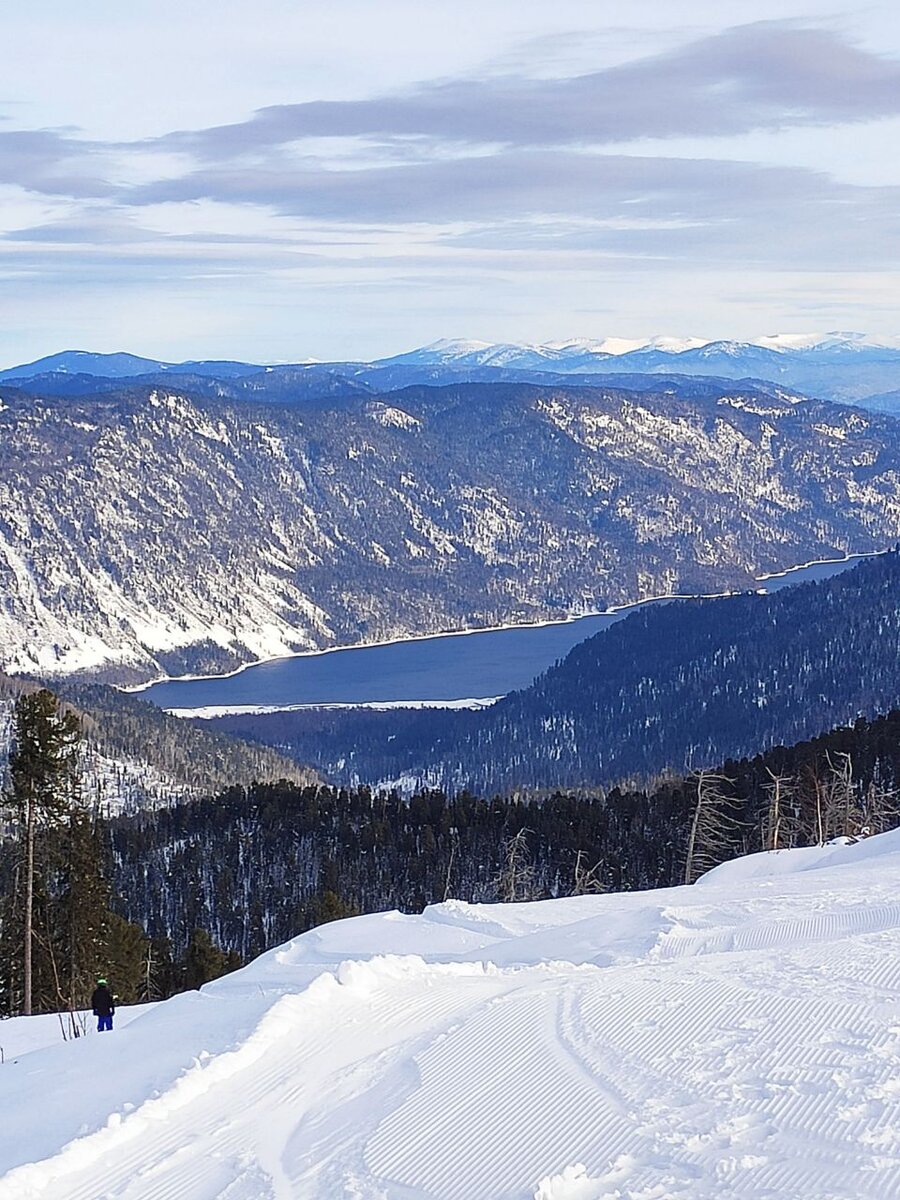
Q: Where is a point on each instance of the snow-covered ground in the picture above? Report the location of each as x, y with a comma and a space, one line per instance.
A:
739, 1038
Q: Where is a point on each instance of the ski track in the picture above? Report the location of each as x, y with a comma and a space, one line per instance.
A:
748, 1050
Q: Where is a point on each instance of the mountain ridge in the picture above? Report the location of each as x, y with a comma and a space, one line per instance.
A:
841, 366
133, 756
149, 533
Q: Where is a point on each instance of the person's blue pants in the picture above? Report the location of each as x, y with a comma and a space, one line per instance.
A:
104, 1021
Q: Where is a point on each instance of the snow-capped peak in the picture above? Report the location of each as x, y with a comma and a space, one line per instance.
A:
829, 341
616, 346
674, 345
454, 346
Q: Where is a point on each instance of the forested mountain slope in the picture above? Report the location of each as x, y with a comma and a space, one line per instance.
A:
149, 532
135, 755
670, 687
257, 865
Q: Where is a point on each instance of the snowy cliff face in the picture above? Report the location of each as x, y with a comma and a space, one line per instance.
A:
148, 533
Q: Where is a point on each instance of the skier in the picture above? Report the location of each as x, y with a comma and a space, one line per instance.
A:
103, 1006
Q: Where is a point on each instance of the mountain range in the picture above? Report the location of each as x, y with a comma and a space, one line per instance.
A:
150, 532
845, 367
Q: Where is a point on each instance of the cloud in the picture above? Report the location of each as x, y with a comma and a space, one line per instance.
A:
48, 162
768, 75
645, 202
476, 181
98, 230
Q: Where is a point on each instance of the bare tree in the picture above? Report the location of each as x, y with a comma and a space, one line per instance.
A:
842, 808
454, 842
516, 879
585, 879
844, 813
781, 824
713, 826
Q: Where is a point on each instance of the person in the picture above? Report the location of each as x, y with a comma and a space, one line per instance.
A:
103, 1006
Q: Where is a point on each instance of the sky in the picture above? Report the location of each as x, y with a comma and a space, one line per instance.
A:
349, 179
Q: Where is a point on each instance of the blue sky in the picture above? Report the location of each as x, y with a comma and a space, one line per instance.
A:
353, 178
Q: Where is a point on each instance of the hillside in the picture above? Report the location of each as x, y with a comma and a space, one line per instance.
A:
310, 854
136, 756
147, 532
729, 1041
670, 687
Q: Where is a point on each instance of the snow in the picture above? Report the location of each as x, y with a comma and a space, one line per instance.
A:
22, 1035
385, 414
458, 346
231, 710
736, 1039
837, 339
448, 350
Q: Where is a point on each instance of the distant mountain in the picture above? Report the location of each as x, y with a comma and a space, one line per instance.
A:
120, 366
844, 367
152, 532
135, 756
277, 385
836, 366
669, 688
887, 402
305, 385
585, 353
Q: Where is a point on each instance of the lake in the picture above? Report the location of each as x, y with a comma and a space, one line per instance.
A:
446, 667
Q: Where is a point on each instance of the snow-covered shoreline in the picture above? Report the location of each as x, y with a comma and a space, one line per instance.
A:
819, 562
234, 710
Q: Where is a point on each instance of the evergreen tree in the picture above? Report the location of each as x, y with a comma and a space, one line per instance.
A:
42, 774
204, 960
81, 911
329, 906
126, 958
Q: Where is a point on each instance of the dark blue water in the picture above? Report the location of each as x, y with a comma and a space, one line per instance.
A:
447, 667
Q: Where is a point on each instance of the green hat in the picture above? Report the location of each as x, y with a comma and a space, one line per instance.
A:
101, 983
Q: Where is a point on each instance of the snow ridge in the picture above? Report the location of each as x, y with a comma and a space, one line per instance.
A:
545, 1051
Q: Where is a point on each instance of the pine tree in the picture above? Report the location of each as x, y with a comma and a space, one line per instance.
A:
42, 774
126, 958
204, 960
81, 912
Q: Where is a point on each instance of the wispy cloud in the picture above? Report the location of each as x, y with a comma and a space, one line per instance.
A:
479, 181
763, 76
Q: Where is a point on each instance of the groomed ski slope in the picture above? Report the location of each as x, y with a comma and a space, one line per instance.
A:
739, 1038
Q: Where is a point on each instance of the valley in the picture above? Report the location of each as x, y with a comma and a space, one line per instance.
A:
670, 688
147, 533
471, 666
